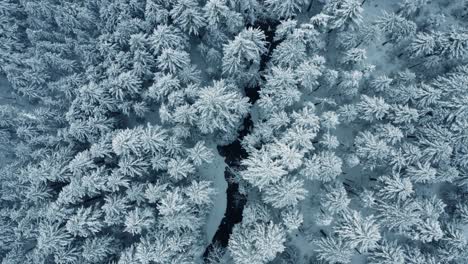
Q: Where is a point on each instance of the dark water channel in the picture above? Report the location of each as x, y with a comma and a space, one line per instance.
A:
234, 153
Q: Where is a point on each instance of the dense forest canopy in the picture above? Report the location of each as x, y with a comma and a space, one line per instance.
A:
325, 131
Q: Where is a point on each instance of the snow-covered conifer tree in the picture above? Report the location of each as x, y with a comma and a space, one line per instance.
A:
333, 250
280, 89
292, 219
173, 60
289, 53
243, 51
346, 13
371, 148
423, 44
361, 232
373, 108
166, 37
200, 193
386, 253
395, 187
335, 200
285, 192
455, 44
261, 169
396, 27
324, 166
85, 222
220, 107
138, 220
259, 243
284, 9
188, 15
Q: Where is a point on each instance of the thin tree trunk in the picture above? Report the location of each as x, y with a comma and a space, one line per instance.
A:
416, 65
314, 90
11, 130
386, 42
323, 233
92, 199
349, 189
7, 98
13, 101
310, 5
363, 2
359, 44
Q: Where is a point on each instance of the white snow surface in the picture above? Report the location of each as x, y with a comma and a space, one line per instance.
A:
214, 172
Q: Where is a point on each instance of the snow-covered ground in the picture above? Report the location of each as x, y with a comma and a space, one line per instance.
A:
214, 171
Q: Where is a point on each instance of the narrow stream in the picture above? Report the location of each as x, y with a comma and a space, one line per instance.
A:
234, 153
